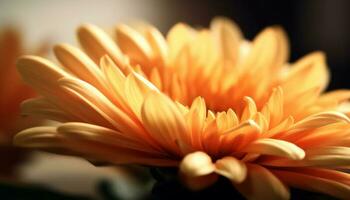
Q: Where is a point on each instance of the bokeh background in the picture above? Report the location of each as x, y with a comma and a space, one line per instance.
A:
311, 25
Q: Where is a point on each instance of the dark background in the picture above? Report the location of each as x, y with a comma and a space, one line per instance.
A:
311, 25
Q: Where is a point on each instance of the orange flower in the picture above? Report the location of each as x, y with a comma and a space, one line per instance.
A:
12, 90
207, 101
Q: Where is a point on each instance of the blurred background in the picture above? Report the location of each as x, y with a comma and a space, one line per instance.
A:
311, 25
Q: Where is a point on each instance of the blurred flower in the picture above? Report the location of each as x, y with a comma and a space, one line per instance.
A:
205, 100
12, 92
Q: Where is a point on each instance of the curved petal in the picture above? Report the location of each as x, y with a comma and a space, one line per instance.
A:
32, 69
164, 121
38, 137
231, 168
80, 65
96, 43
78, 130
262, 184
41, 107
314, 183
228, 36
178, 36
310, 70
48, 138
321, 119
196, 120
267, 146
197, 164
134, 45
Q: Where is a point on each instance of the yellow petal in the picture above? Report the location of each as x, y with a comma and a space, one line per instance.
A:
96, 43
158, 44
79, 64
239, 137
81, 131
32, 69
41, 107
133, 44
249, 110
275, 147
228, 37
321, 119
165, 123
231, 168
338, 96
196, 120
197, 164
135, 89
95, 104
48, 138
274, 107
264, 59
283, 126
310, 70
262, 184
116, 83
177, 38
314, 183
38, 137
328, 156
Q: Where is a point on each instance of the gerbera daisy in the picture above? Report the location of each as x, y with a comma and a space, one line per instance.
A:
205, 100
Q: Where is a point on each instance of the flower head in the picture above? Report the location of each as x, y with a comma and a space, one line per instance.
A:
205, 100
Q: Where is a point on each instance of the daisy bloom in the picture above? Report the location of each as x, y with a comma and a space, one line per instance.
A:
204, 100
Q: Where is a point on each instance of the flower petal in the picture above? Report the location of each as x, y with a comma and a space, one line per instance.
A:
134, 44
262, 184
275, 147
320, 119
41, 107
80, 65
78, 131
96, 43
164, 121
310, 70
32, 69
197, 164
231, 168
314, 183
228, 36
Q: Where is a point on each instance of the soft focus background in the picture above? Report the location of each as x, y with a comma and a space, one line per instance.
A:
311, 25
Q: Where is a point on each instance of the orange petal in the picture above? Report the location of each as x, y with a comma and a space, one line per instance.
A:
231, 168
228, 37
197, 164
320, 119
310, 70
80, 65
32, 69
96, 43
41, 107
262, 184
314, 183
249, 110
165, 124
134, 44
275, 147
